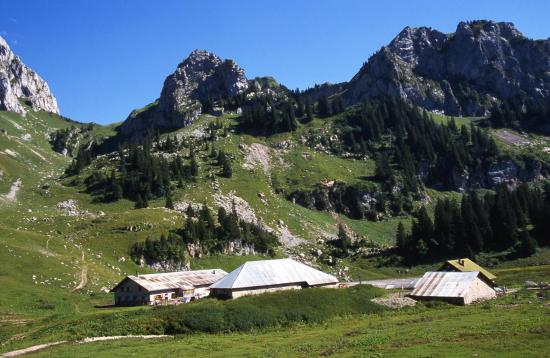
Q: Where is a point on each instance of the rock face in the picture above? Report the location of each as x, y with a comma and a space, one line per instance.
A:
464, 73
201, 77
19, 82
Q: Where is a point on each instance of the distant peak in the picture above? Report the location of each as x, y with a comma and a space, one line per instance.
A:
505, 29
3, 42
202, 55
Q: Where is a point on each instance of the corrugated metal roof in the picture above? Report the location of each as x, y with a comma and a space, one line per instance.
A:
444, 284
182, 279
273, 272
466, 265
403, 283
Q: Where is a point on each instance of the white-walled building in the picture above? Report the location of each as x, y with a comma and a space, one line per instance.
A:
256, 277
460, 288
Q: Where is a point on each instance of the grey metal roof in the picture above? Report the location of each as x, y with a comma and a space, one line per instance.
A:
402, 283
444, 284
273, 272
181, 279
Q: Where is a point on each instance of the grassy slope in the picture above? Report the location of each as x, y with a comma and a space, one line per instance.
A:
486, 330
40, 248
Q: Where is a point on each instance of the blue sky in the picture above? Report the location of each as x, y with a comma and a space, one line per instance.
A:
104, 58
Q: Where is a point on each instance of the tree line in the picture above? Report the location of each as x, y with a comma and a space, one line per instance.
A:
516, 220
532, 116
209, 235
403, 137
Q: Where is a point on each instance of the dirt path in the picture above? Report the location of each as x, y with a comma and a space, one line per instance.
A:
38, 347
32, 349
83, 275
12, 195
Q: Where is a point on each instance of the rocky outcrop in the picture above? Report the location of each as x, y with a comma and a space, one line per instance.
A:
464, 73
202, 77
20, 83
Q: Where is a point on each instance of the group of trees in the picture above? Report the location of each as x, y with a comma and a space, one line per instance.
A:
531, 116
404, 138
224, 162
140, 175
265, 117
208, 236
357, 201
517, 220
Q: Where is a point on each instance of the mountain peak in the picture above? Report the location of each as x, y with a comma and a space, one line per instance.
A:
19, 82
506, 30
3, 43
464, 73
201, 77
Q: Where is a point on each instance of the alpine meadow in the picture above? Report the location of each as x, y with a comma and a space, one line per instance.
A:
404, 212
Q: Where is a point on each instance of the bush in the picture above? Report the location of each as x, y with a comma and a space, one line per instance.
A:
278, 309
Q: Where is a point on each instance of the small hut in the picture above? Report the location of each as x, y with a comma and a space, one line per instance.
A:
462, 288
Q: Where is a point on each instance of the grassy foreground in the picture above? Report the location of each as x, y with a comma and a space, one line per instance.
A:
500, 328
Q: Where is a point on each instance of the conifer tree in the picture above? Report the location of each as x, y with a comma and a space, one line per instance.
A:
169, 201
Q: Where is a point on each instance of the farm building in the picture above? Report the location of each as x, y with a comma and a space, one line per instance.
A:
256, 277
467, 265
167, 287
460, 288
394, 283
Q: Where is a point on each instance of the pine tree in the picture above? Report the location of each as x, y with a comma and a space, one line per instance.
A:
309, 110
227, 170
323, 107
526, 245
401, 238
169, 201
140, 202
194, 167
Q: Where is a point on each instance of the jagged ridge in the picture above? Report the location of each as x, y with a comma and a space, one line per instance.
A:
17, 81
464, 73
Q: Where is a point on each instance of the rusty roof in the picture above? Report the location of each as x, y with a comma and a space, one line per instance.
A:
181, 279
444, 284
273, 272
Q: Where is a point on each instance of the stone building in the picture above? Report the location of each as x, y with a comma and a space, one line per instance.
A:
162, 288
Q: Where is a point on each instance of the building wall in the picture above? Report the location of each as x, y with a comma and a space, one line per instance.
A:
259, 291
235, 293
130, 293
478, 291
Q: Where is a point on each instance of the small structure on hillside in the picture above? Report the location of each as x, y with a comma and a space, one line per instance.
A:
256, 277
460, 288
467, 265
216, 111
162, 288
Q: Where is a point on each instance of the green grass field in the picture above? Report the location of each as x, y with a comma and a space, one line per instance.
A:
499, 328
42, 250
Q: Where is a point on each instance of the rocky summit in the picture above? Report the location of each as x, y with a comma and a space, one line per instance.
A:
18, 82
201, 77
463, 73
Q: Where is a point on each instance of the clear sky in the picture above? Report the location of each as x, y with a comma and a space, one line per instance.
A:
104, 58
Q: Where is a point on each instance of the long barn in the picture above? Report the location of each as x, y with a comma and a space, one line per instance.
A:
255, 277
167, 287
